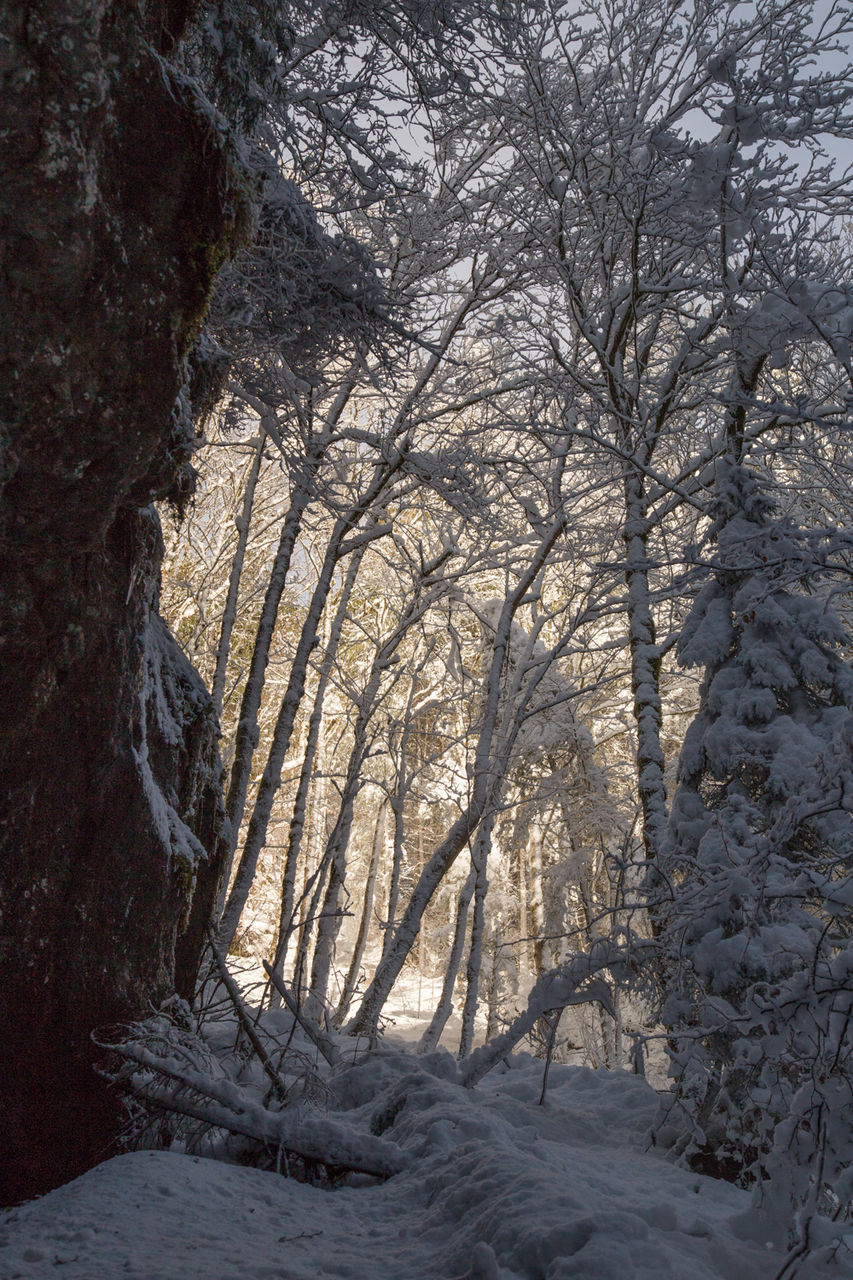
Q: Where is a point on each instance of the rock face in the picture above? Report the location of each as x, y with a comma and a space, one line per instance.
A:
118, 203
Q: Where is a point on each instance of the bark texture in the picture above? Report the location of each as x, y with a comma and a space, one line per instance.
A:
118, 202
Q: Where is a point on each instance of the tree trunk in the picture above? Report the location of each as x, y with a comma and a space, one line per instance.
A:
229, 615
645, 670
316, 886
524, 949
248, 732
430, 1038
331, 640
328, 926
480, 859
366, 912
398, 805
330, 919
248, 729
493, 990
488, 774
537, 906
271, 779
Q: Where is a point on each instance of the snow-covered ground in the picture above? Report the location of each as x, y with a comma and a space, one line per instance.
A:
496, 1188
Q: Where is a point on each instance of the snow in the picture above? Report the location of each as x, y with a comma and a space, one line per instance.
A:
171, 689
496, 1188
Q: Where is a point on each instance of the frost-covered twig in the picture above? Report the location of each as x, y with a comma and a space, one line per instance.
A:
325, 1044
245, 1021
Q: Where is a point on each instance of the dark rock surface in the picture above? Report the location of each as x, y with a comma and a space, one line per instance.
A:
118, 203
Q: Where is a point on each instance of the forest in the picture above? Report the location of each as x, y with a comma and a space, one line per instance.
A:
426, 546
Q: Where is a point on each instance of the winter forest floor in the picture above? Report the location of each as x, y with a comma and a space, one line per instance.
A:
496, 1187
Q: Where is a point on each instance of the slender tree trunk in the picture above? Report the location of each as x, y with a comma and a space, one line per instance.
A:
430, 1038
493, 992
328, 926
388, 969
487, 778
335, 858
645, 670
480, 859
304, 491
537, 906
229, 616
331, 641
330, 920
524, 949
315, 868
271, 778
316, 885
366, 912
618, 1033
398, 805
248, 730
399, 850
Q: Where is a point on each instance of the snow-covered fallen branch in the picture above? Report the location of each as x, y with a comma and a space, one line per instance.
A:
571, 983
226, 1105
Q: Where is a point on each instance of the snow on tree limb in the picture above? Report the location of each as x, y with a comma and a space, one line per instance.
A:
227, 1105
575, 982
